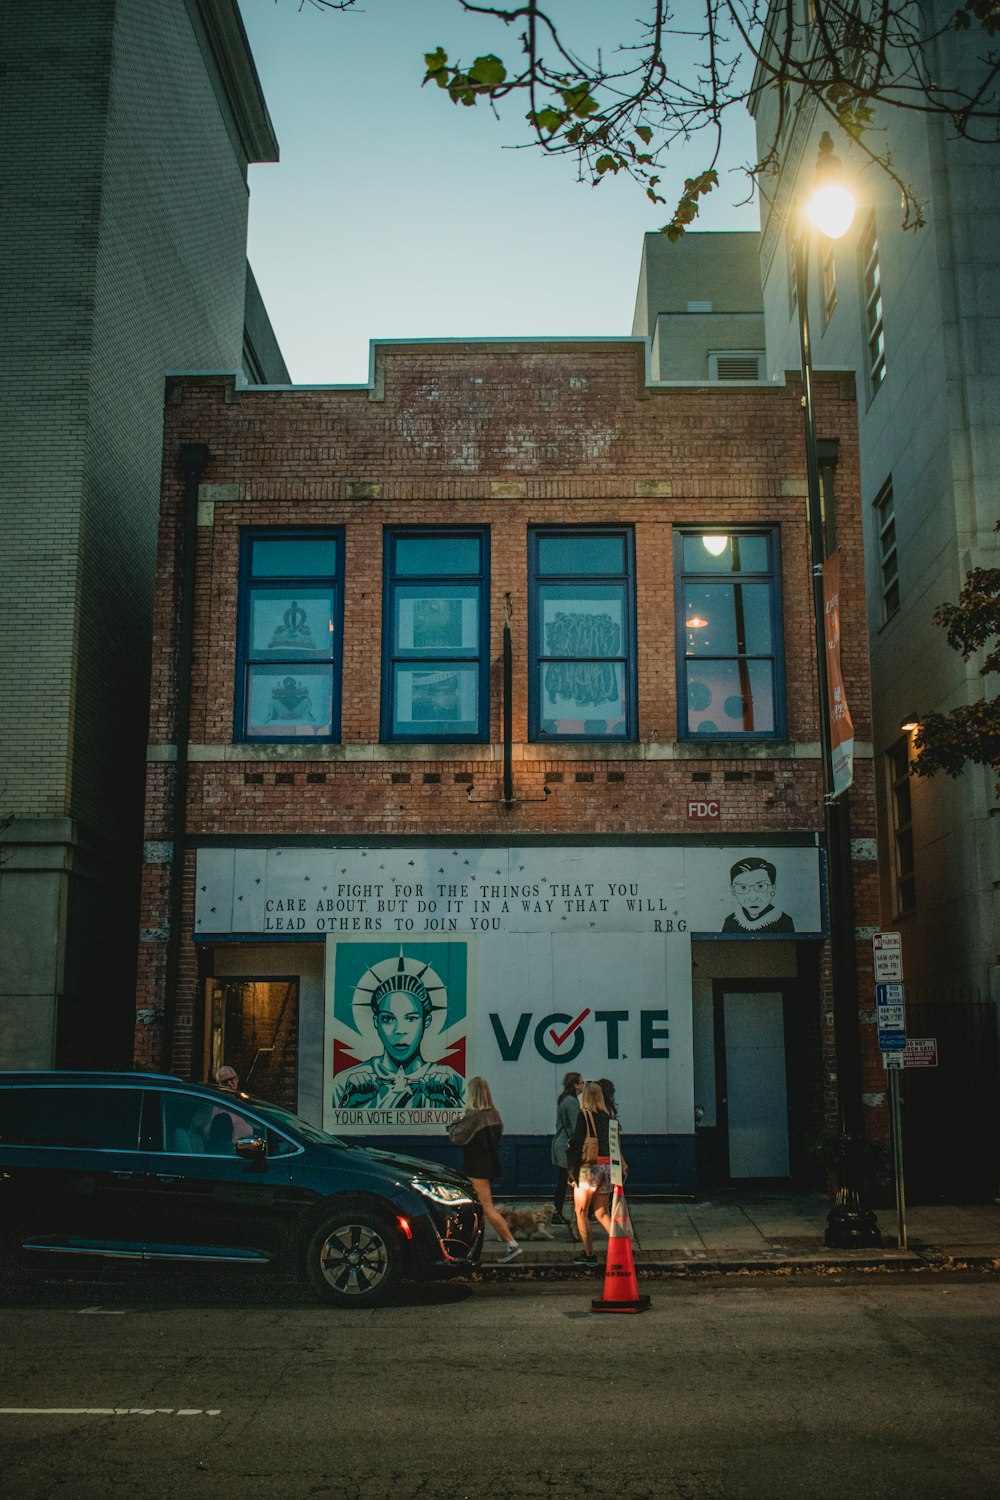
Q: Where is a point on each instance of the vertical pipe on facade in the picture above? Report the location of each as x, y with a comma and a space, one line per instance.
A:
508, 718
193, 462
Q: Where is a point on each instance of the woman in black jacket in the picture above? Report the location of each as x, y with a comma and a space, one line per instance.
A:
592, 1180
478, 1132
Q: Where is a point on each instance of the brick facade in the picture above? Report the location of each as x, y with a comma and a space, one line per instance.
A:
504, 436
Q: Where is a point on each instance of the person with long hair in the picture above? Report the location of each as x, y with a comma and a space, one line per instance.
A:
478, 1132
591, 1179
567, 1110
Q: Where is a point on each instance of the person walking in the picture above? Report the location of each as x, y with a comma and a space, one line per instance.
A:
478, 1132
589, 1164
567, 1111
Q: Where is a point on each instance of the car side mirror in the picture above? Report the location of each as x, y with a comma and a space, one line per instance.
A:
253, 1150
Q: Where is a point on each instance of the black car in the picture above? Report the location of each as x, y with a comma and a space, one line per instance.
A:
147, 1168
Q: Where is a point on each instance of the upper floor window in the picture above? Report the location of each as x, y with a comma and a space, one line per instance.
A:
289, 635
731, 680
581, 634
829, 271
872, 289
435, 669
901, 811
885, 520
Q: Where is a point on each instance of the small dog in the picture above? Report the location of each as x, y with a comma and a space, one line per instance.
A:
526, 1223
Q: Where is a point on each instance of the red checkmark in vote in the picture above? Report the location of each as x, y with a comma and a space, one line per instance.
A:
570, 1028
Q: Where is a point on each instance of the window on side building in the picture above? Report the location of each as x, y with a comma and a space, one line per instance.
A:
729, 641
885, 521
435, 634
871, 277
829, 272
289, 635
581, 634
901, 811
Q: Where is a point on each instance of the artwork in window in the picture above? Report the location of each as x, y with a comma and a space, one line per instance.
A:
299, 625
283, 703
445, 700
435, 622
730, 697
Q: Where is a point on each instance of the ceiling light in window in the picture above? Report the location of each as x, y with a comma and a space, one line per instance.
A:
715, 544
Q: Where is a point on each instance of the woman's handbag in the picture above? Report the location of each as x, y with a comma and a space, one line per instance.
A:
588, 1152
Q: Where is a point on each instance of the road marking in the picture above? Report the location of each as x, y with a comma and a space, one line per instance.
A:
569, 1029
106, 1312
110, 1411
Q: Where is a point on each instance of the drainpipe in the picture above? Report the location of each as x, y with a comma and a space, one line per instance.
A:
193, 462
508, 716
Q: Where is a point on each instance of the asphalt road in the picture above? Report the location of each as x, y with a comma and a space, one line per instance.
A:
739, 1388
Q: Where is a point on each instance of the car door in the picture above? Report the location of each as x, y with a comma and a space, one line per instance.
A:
74, 1171
205, 1203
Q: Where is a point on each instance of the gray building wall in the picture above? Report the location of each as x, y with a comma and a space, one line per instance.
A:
127, 131
933, 429
697, 296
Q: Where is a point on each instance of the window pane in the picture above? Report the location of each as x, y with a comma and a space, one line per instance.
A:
728, 697
582, 620
582, 697
91, 1119
293, 557
284, 704
722, 619
436, 701
432, 620
298, 625
429, 556
581, 554
741, 554
193, 1126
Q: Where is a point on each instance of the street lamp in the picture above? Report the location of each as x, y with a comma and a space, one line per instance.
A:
830, 211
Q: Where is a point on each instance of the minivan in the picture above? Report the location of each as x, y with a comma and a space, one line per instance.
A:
147, 1168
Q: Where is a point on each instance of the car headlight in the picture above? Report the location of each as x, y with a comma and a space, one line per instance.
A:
440, 1192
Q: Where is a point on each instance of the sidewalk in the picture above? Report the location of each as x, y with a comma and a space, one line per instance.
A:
761, 1231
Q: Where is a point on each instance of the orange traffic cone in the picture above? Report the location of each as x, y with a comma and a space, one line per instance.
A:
621, 1290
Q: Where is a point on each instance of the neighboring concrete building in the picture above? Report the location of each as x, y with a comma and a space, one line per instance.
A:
127, 129
699, 303
487, 677
916, 314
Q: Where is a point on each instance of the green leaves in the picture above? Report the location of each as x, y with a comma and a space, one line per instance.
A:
687, 207
948, 742
486, 75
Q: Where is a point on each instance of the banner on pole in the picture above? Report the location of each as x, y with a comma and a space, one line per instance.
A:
841, 727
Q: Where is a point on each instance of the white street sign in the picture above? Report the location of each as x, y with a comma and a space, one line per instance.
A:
887, 948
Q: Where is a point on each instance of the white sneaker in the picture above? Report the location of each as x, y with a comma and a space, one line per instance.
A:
510, 1252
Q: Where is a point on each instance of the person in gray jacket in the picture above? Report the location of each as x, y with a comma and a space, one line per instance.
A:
567, 1109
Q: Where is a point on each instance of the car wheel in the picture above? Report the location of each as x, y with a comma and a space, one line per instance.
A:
353, 1258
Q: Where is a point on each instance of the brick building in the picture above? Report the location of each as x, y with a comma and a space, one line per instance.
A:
484, 739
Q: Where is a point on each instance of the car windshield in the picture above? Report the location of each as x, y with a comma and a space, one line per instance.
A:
283, 1119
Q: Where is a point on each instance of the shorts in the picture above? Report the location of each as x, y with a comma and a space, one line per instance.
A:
596, 1178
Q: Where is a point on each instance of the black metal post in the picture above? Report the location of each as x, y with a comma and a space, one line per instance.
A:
849, 1222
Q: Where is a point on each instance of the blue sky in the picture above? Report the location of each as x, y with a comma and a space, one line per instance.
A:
394, 214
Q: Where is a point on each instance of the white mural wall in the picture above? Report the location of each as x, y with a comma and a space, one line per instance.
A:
518, 964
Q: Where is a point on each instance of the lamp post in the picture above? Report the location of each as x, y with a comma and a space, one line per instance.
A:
830, 210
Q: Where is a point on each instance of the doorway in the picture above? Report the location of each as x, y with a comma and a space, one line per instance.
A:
751, 1080
253, 1024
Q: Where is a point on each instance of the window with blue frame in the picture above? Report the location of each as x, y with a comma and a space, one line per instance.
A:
730, 659
581, 634
289, 635
435, 666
